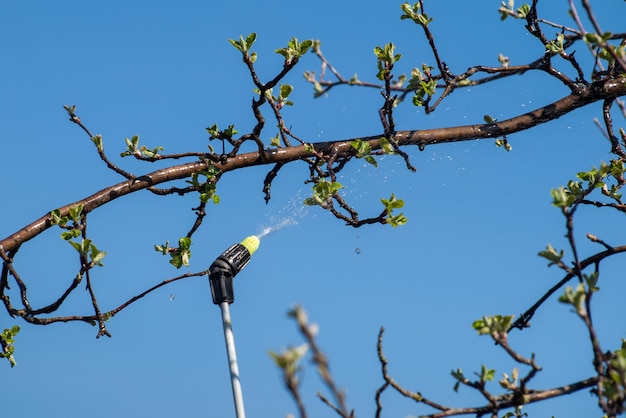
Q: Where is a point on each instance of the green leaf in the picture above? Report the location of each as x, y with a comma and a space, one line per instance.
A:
552, 255
96, 255
305, 46
213, 131
275, 141
179, 256
362, 148
57, 219
397, 220
8, 338
575, 297
412, 12
489, 119
285, 90
75, 212
522, 12
386, 146
561, 197
294, 50
502, 142
71, 234
230, 131
323, 191
288, 360
591, 280
371, 160
153, 153
556, 46
97, 140
489, 325
208, 193
508, 10
76, 245
250, 39
184, 243
243, 45
132, 146
459, 377
485, 374
164, 249
390, 205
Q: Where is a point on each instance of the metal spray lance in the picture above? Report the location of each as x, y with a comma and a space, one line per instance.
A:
221, 275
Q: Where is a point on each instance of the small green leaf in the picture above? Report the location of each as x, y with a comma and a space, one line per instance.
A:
57, 219
164, 249
486, 374
179, 256
576, 298
75, 245
294, 50
275, 141
561, 197
371, 160
362, 148
391, 204
71, 234
591, 280
250, 39
556, 46
552, 255
459, 377
230, 131
132, 146
213, 130
96, 255
288, 360
413, 13
489, 325
522, 12
386, 146
8, 338
502, 142
75, 212
323, 191
97, 140
285, 90
305, 46
243, 45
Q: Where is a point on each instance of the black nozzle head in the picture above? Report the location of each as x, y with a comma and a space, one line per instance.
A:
223, 271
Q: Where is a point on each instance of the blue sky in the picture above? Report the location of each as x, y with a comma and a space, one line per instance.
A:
477, 215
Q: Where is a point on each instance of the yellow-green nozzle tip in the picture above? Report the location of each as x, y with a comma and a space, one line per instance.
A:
251, 243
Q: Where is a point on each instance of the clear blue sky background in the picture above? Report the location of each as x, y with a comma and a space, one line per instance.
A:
163, 70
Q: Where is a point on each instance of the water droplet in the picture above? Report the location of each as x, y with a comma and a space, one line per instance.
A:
357, 250
172, 297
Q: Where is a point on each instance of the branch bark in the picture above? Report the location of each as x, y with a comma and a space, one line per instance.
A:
597, 91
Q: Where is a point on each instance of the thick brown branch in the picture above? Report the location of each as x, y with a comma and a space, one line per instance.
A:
598, 91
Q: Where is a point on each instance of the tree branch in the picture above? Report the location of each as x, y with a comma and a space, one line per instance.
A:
597, 91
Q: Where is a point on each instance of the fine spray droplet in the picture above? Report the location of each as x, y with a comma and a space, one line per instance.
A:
357, 250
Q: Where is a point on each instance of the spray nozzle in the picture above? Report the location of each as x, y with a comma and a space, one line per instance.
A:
226, 266
251, 243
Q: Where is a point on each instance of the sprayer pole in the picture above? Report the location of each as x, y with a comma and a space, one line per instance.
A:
232, 360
